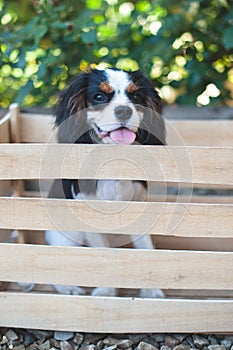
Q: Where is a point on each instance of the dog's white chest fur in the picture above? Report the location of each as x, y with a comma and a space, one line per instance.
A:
120, 190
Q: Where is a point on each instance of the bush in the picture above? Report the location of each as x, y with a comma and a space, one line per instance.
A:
185, 47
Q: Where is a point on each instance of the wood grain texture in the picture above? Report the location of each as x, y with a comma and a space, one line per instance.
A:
215, 133
174, 164
37, 128
114, 315
114, 267
174, 219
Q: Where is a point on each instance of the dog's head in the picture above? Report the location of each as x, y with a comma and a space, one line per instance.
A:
110, 106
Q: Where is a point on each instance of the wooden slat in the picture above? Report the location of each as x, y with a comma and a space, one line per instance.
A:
114, 315
213, 133
175, 219
129, 268
174, 164
4, 129
184, 199
37, 128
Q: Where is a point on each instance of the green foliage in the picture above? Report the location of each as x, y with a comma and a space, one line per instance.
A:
185, 47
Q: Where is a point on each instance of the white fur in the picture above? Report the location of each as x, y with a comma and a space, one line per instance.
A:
105, 119
106, 190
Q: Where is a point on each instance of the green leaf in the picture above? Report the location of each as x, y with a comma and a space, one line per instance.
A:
94, 4
228, 38
88, 37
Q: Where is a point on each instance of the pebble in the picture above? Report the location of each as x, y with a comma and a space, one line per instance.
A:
58, 335
78, 338
226, 342
145, 346
44, 346
182, 347
65, 345
22, 339
124, 344
216, 347
11, 335
136, 338
171, 341
29, 338
20, 347
200, 342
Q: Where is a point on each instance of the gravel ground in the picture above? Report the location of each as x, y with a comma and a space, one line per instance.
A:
22, 339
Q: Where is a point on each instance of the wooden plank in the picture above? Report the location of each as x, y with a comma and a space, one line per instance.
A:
37, 128
129, 268
214, 133
114, 315
198, 113
184, 198
174, 219
4, 129
174, 164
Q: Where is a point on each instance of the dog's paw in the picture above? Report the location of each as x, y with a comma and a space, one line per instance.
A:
151, 293
26, 287
104, 292
69, 290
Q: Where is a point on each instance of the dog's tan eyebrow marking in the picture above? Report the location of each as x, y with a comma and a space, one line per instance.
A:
105, 87
131, 87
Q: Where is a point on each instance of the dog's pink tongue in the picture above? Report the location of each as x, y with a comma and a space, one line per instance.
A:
123, 136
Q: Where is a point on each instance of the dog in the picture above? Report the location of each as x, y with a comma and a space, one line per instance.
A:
108, 106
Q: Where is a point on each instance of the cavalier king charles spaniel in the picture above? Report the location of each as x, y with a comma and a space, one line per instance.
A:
108, 106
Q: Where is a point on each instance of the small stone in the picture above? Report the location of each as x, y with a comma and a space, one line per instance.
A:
216, 347
171, 341
59, 335
78, 339
159, 337
88, 347
182, 347
4, 340
124, 344
44, 346
11, 335
136, 338
33, 347
29, 338
65, 345
189, 340
226, 342
165, 347
180, 336
212, 340
112, 347
55, 343
110, 341
146, 346
100, 345
93, 338
40, 334
19, 347
200, 342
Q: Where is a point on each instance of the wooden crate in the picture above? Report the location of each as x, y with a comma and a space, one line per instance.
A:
193, 234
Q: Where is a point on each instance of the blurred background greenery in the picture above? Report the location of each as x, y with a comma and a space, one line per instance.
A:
185, 47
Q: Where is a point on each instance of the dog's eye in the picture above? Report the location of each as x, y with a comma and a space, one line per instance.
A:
100, 97
136, 97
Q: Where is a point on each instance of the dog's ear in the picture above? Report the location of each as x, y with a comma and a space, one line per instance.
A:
72, 100
152, 126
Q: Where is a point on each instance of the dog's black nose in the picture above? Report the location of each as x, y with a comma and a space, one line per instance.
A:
123, 112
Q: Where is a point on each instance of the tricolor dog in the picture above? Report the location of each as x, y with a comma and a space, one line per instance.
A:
107, 107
